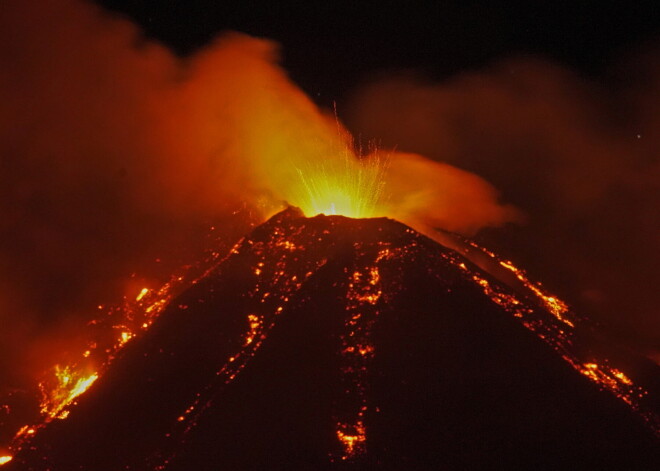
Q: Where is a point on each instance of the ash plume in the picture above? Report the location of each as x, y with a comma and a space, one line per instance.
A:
115, 153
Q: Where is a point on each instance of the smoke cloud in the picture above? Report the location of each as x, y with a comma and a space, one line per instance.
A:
579, 157
116, 153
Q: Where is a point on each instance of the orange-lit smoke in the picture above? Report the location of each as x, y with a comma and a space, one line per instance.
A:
427, 195
115, 153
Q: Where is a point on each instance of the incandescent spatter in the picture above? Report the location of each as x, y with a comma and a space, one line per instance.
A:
337, 343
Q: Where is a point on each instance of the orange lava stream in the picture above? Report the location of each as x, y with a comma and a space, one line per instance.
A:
556, 306
63, 384
363, 296
560, 338
70, 385
268, 306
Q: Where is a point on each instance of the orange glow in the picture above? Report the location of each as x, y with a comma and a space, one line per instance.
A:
24, 431
142, 294
363, 298
614, 380
352, 442
256, 324
365, 350
621, 376
507, 301
556, 306
365, 292
64, 384
559, 337
344, 186
5, 459
69, 385
125, 337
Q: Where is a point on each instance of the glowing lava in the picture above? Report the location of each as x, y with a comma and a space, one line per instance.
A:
69, 385
348, 187
353, 443
366, 272
65, 382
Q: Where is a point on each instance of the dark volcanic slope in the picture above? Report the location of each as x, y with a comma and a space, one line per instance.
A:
331, 343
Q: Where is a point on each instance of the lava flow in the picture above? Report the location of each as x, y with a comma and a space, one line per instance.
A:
60, 387
70, 385
328, 342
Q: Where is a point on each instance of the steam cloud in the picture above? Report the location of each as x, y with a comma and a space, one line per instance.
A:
115, 152
580, 158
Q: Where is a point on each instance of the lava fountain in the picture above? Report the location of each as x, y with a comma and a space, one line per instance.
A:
348, 187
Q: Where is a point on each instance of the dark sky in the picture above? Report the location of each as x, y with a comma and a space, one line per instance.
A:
330, 46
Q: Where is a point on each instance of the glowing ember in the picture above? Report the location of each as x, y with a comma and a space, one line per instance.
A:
25, 431
621, 376
256, 324
69, 385
125, 337
347, 187
353, 442
5, 459
556, 306
142, 294
364, 291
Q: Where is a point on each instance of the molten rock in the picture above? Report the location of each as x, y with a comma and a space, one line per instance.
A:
335, 343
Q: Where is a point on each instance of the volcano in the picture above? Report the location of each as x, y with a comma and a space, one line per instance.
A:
337, 343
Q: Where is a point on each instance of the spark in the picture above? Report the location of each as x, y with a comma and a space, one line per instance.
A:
347, 187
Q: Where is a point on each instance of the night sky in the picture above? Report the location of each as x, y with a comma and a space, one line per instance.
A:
329, 47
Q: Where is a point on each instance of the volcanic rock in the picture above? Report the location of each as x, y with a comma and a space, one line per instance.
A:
335, 343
